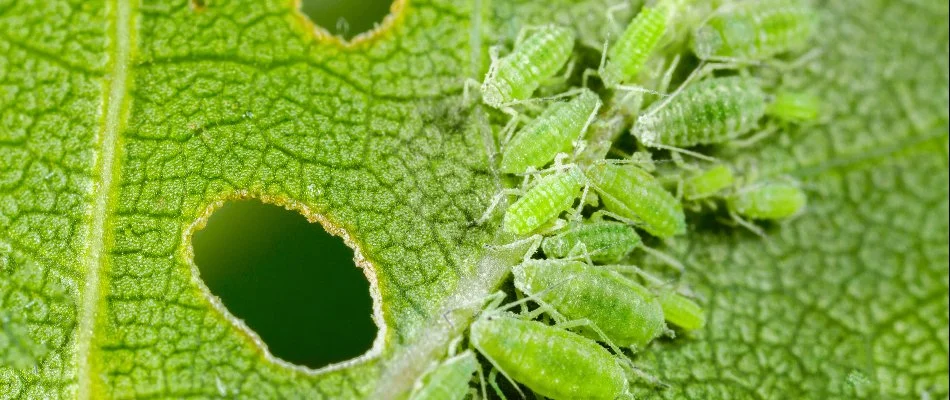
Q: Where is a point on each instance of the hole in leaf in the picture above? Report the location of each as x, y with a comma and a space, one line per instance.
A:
291, 282
346, 18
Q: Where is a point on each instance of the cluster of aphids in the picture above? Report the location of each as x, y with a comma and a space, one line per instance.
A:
586, 301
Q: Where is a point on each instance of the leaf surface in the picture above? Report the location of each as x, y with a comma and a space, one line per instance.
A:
125, 123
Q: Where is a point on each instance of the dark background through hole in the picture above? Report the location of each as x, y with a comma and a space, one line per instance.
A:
289, 280
359, 15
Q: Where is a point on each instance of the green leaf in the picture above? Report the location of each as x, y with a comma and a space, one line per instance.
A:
122, 124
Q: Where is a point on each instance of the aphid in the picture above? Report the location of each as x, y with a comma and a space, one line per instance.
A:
708, 183
546, 199
628, 314
551, 361
755, 30
681, 311
553, 132
794, 107
635, 195
602, 242
641, 37
707, 112
535, 58
768, 200
449, 380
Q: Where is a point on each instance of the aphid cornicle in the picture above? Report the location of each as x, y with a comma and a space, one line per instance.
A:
638, 41
551, 361
514, 77
629, 315
546, 199
634, 194
553, 132
755, 30
767, 200
603, 242
449, 380
681, 311
708, 183
706, 112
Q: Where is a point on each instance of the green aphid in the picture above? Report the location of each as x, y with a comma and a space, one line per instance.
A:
710, 111
768, 200
603, 242
551, 361
635, 195
794, 107
553, 132
755, 30
538, 56
637, 43
708, 183
544, 201
679, 310
629, 315
448, 380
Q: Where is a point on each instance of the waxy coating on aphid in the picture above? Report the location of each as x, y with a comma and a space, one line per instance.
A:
707, 112
634, 194
681, 311
553, 132
603, 242
514, 77
629, 315
447, 381
708, 183
631, 51
551, 361
794, 107
755, 30
769, 200
546, 199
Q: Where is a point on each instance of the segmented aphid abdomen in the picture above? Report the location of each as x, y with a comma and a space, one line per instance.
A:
538, 57
447, 381
551, 361
633, 193
554, 131
707, 112
627, 313
708, 183
681, 311
603, 242
543, 202
770, 200
755, 30
634, 47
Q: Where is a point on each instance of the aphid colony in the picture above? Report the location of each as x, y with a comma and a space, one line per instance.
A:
585, 308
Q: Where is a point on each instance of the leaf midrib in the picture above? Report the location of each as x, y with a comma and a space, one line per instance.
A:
114, 107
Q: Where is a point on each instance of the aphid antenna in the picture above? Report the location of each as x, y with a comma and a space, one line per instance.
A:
600, 214
668, 74
703, 69
635, 270
495, 201
750, 226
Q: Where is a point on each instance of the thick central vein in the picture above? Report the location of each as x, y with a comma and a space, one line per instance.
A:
114, 101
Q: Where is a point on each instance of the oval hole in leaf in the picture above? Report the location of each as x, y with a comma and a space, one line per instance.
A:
291, 282
346, 18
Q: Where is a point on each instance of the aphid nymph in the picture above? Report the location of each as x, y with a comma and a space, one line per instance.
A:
538, 54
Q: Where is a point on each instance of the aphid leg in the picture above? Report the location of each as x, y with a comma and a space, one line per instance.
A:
668, 75
628, 269
580, 205
614, 24
748, 225
684, 151
600, 214
665, 258
493, 381
466, 89
481, 380
494, 203
509, 130
751, 140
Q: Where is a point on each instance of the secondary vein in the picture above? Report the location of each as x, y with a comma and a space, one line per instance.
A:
113, 104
